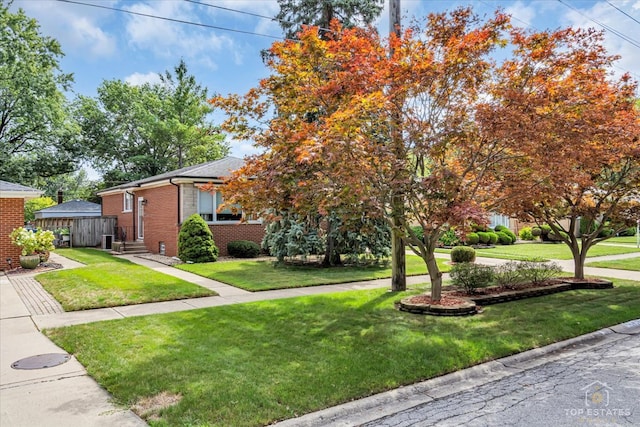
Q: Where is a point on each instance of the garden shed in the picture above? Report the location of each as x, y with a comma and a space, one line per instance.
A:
71, 209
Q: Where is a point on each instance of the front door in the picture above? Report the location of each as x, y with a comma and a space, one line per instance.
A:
141, 218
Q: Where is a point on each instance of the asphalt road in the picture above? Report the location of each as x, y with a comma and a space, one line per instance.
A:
598, 386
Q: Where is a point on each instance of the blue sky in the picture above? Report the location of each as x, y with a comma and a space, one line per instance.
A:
101, 44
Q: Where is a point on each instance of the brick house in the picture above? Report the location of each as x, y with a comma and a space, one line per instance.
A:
12, 197
151, 210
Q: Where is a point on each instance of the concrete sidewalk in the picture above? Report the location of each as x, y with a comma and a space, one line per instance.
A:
63, 395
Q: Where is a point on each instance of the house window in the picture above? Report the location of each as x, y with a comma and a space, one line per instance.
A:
127, 202
208, 205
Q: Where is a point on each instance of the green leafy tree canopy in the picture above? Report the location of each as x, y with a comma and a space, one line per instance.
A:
37, 137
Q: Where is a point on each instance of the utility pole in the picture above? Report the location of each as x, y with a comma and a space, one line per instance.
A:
398, 255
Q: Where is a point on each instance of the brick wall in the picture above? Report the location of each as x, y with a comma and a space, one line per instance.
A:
160, 218
112, 205
11, 216
223, 234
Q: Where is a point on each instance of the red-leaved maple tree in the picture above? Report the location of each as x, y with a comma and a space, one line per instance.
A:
327, 115
573, 133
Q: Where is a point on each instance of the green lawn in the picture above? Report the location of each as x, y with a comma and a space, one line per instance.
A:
253, 364
109, 281
545, 251
90, 256
620, 264
263, 275
632, 240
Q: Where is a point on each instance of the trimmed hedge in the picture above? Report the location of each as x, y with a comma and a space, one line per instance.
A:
493, 238
472, 239
484, 237
504, 238
463, 254
243, 249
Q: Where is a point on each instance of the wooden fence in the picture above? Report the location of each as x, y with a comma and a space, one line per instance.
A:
86, 231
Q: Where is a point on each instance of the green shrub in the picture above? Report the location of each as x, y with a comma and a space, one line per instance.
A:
449, 238
493, 238
463, 254
243, 249
418, 231
526, 233
471, 276
508, 274
511, 234
472, 239
544, 232
606, 232
500, 228
195, 241
504, 238
536, 231
484, 237
536, 272
630, 231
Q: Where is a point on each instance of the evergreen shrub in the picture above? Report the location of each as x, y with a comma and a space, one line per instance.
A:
472, 239
243, 249
463, 254
195, 241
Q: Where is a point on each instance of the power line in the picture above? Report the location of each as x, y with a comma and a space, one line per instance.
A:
180, 21
605, 26
271, 18
622, 11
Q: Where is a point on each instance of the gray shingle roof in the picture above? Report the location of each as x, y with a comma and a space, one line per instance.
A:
7, 188
73, 206
206, 171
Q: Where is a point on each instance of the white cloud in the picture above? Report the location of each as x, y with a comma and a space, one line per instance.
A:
603, 13
138, 79
77, 29
168, 39
521, 13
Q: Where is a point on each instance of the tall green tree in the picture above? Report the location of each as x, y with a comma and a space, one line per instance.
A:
141, 131
296, 13
37, 136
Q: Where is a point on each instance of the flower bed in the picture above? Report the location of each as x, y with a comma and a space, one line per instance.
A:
459, 303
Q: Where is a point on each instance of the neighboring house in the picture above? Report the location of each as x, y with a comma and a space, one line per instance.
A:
71, 209
151, 210
12, 197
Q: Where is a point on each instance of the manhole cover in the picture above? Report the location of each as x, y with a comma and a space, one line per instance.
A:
41, 361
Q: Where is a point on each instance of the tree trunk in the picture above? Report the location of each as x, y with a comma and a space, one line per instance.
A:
398, 254
331, 256
578, 262
436, 277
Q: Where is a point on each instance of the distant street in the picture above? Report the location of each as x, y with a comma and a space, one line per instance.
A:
596, 387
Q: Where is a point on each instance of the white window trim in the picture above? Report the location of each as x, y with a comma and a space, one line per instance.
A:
125, 195
215, 209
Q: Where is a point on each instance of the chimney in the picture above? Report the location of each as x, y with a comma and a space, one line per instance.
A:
59, 197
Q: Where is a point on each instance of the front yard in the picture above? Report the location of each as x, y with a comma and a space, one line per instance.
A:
253, 364
254, 275
108, 281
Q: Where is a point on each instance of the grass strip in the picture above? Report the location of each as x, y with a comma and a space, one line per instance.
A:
545, 251
253, 364
632, 264
110, 282
264, 275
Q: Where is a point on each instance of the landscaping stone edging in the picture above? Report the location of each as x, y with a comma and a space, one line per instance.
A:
474, 302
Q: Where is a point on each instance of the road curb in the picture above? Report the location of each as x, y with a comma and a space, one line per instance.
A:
383, 404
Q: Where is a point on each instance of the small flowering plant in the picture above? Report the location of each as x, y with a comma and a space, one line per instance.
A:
32, 242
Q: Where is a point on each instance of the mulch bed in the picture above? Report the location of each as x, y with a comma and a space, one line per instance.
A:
456, 302
41, 268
